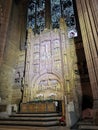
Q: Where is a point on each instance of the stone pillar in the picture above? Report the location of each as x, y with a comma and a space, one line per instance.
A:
87, 13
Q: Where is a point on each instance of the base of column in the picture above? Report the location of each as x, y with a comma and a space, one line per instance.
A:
95, 108
95, 104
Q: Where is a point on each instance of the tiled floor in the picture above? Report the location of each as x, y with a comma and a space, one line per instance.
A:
32, 128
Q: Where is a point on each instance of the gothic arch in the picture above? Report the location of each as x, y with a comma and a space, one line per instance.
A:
48, 84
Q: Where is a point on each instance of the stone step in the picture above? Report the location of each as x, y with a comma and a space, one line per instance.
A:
36, 115
88, 127
32, 118
85, 123
29, 123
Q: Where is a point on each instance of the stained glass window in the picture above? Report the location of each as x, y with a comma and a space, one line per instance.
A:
59, 8
55, 13
63, 8
36, 15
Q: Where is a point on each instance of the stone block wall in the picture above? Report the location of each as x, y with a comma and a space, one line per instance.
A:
10, 51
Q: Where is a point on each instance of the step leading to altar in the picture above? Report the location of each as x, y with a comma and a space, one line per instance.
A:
32, 119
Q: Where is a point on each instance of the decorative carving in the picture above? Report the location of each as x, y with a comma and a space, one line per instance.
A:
49, 67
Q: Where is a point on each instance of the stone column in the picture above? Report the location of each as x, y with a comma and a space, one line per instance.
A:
87, 13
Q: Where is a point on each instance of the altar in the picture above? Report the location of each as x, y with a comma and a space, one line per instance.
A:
35, 107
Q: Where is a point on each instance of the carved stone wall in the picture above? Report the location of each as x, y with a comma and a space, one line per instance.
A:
50, 67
